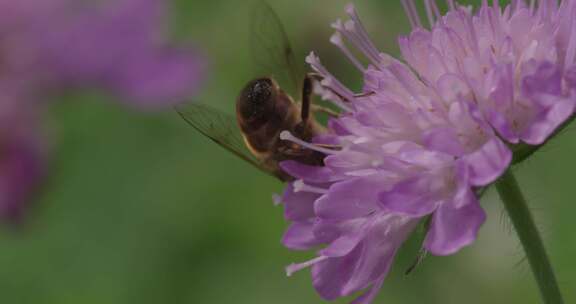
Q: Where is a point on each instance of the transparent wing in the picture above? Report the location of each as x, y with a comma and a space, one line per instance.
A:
271, 49
220, 128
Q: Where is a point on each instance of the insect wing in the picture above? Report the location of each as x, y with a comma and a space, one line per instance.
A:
271, 49
220, 128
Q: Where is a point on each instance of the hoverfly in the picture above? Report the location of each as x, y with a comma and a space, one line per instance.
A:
263, 109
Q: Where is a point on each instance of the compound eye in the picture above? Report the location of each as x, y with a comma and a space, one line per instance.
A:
256, 99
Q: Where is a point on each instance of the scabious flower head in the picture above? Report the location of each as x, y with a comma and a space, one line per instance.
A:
425, 133
117, 46
22, 159
52, 45
121, 47
23, 154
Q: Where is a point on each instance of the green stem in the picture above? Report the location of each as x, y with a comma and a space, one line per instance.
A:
529, 237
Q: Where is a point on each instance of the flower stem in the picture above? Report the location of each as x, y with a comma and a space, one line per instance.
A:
529, 237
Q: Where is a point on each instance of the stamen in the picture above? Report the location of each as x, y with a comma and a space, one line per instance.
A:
351, 31
554, 4
436, 10
571, 49
451, 4
338, 88
550, 6
330, 82
362, 172
370, 49
429, 13
543, 8
292, 268
494, 19
516, 5
408, 14
472, 32
286, 135
496, 5
566, 8
329, 94
405, 82
300, 186
356, 34
336, 100
415, 13
336, 39
276, 199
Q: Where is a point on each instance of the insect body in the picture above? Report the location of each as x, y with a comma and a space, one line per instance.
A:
263, 109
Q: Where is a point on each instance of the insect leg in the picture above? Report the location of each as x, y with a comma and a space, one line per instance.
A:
306, 99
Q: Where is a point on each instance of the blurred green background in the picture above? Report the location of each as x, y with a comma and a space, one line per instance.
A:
141, 209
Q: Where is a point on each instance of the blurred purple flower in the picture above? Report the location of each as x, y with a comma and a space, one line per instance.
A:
422, 136
23, 152
23, 167
121, 46
52, 45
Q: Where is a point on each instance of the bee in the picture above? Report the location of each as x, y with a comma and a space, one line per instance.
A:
263, 109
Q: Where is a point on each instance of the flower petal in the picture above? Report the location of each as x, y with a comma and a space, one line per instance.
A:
352, 198
368, 296
330, 275
160, 78
346, 235
300, 236
547, 121
488, 162
544, 78
383, 237
312, 174
453, 228
413, 197
499, 122
298, 206
22, 162
443, 140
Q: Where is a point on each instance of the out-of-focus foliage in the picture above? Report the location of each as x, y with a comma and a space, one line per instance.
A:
141, 209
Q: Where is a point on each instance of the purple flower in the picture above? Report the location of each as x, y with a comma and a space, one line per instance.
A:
23, 168
121, 46
422, 135
513, 63
118, 46
52, 45
23, 153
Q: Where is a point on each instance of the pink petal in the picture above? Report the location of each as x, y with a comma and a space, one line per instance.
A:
488, 162
453, 228
351, 198
412, 197
443, 140
313, 174
298, 205
548, 120
300, 236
